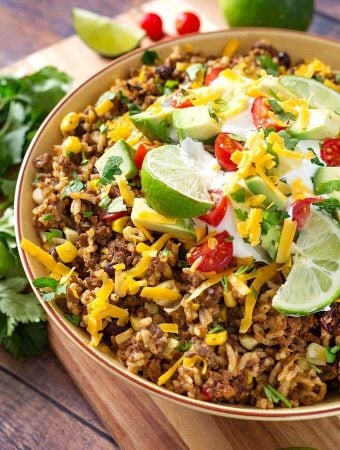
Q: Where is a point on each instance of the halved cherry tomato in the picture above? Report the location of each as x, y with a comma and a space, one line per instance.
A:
179, 101
301, 211
215, 216
111, 217
212, 74
224, 148
261, 119
140, 155
213, 259
330, 152
187, 22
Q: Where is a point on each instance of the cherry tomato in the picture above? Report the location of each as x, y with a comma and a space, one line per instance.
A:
179, 101
215, 216
224, 148
330, 152
261, 118
212, 74
187, 22
111, 217
213, 259
153, 26
140, 155
301, 211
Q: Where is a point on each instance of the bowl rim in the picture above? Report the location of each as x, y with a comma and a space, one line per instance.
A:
227, 410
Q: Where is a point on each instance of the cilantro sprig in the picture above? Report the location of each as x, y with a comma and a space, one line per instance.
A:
50, 288
274, 396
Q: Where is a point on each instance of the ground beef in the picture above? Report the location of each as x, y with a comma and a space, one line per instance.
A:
120, 252
153, 370
43, 162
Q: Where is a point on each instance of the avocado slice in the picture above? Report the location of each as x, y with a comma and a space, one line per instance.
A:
124, 151
272, 87
156, 125
327, 181
323, 124
270, 240
195, 122
257, 186
147, 217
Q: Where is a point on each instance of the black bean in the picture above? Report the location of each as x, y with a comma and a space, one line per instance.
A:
284, 59
164, 72
112, 329
110, 270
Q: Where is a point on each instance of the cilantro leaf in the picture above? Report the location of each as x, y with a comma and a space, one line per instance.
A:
149, 57
240, 214
185, 346
266, 62
54, 288
74, 319
274, 396
239, 195
315, 160
280, 112
53, 233
74, 186
329, 205
216, 329
110, 169
131, 106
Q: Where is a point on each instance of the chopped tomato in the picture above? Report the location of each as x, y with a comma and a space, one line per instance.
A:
212, 74
206, 394
140, 155
111, 217
214, 256
330, 152
215, 216
261, 119
178, 100
224, 148
301, 211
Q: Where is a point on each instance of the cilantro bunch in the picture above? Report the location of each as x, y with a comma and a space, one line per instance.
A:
24, 103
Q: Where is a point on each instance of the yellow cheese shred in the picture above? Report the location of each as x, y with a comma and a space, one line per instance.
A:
39, 254
170, 372
168, 327
125, 190
189, 362
286, 240
160, 293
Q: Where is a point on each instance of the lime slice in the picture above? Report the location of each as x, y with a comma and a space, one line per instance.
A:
317, 94
103, 34
171, 187
313, 282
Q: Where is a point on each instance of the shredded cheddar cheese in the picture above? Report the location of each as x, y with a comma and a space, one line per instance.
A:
286, 240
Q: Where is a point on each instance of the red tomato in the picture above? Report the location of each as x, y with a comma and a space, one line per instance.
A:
206, 394
153, 26
215, 216
330, 152
177, 100
301, 211
187, 22
261, 118
212, 74
215, 259
224, 148
140, 155
111, 217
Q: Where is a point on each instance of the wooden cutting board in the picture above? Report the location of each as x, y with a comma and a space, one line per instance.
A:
136, 420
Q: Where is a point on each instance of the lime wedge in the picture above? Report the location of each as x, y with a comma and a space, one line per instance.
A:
316, 93
171, 187
313, 282
103, 34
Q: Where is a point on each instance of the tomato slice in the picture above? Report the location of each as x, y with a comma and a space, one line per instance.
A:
215, 216
140, 155
213, 259
330, 152
212, 74
111, 217
224, 148
179, 101
301, 211
261, 119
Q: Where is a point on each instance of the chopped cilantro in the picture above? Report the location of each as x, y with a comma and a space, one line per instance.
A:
48, 217
212, 113
290, 143
74, 186
116, 205
239, 195
328, 205
87, 214
50, 287
185, 346
280, 112
149, 57
331, 353
272, 217
111, 168
266, 62
224, 283
240, 214
131, 106
216, 329
73, 318
274, 396
315, 160
53, 233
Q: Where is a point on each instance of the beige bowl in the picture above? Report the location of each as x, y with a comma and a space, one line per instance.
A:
298, 45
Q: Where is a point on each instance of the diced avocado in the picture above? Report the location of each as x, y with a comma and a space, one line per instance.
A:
327, 181
257, 186
147, 217
270, 240
271, 86
195, 122
122, 150
156, 125
323, 124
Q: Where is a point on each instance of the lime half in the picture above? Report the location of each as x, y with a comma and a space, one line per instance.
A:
171, 187
313, 282
316, 93
103, 34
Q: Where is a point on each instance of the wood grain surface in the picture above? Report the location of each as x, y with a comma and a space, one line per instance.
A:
41, 408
